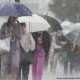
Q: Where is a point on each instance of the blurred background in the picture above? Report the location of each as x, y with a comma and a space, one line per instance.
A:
64, 11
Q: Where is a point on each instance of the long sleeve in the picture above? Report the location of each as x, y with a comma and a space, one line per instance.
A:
51, 50
32, 47
3, 31
19, 35
27, 42
17, 31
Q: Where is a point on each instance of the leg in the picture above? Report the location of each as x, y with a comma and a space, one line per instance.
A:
15, 60
5, 66
51, 66
56, 56
0, 66
65, 67
46, 60
25, 71
34, 68
40, 65
71, 67
51, 59
19, 72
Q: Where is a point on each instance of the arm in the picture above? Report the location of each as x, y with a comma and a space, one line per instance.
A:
32, 42
51, 51
3, 31
18, 33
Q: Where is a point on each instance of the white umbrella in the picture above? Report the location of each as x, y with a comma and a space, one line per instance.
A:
74, 35
71, 28
67, 26
3, 20
35, 23
75, 26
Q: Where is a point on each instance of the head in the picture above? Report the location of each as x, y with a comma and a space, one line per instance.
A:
11, 20
23, 25
39, 39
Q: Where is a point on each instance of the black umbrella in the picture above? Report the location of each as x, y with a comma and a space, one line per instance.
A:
55, 25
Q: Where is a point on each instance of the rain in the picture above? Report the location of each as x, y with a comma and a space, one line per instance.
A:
50, 30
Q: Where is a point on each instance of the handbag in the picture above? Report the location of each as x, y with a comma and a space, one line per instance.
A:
4, 45
26, 57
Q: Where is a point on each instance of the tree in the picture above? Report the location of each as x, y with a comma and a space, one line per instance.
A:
66, 9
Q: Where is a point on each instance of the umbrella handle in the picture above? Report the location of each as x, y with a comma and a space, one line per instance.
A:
29, 36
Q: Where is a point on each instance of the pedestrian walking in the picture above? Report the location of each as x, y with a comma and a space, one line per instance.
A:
10, 60
24, 65
39, 54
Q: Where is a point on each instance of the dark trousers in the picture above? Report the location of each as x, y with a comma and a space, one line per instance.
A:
25, 71
0, 66
66, 68
46, 61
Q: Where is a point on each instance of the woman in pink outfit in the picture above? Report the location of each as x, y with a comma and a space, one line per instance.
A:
39, 54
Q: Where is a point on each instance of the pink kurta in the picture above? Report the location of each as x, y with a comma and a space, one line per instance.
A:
37, 68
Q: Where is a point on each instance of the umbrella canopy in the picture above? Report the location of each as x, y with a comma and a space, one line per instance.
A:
75, 26
70, 27
35, 23
14, 9
67, 26
55, 25
74, 37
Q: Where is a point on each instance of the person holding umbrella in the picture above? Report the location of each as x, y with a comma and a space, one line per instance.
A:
66, 55
76, 66
54, 51
30, 44
74, 38
10, 61
12, 29
42, 47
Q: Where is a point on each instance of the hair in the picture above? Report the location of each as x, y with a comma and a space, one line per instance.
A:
23, 24
46, 39
9, 21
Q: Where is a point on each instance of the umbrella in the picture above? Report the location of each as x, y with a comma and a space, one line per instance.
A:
67, 26
74, 37
14, 9
55, 25
70, 27
35, 23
